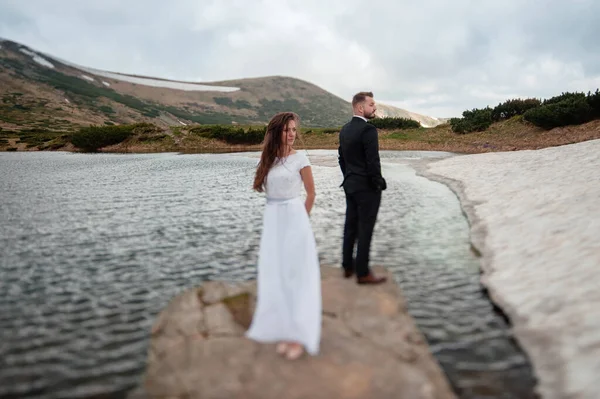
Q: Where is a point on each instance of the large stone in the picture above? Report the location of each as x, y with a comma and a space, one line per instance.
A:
216, 291
220, 321
202, 368
183, 318
370, 348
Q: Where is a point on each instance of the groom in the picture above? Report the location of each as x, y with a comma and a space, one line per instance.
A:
363, 184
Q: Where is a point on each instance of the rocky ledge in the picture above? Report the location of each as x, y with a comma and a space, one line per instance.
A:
370, 348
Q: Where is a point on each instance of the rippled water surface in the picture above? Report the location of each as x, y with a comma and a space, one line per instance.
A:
94, 246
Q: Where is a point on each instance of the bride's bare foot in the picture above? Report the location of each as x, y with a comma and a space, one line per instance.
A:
294, 351
282, 347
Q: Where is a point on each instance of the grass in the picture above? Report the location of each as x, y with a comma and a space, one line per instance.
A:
400, 136
38, 116
35, 138
513, 134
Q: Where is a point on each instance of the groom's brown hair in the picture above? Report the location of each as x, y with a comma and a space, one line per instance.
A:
360, 97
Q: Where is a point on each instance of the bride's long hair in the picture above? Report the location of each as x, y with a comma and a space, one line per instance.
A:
274, 146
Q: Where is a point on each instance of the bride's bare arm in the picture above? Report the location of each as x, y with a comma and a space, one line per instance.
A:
309, 186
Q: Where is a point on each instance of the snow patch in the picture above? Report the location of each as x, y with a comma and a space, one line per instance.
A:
42, 61
168, 84
67, 101
535, 220
28, 52
184, 124
161, 83
106, 84
87, 78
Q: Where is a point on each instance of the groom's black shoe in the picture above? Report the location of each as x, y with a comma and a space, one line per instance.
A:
348, 273
371, 279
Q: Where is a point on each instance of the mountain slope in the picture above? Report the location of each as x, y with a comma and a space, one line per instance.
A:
384, 110
41, 91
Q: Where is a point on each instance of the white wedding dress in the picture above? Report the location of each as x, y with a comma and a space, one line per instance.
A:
288, 304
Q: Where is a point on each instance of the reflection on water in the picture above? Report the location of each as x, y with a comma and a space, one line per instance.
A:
94, 246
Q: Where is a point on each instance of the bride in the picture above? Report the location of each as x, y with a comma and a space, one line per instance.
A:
288, 308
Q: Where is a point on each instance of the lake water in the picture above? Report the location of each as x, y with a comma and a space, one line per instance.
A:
95, 245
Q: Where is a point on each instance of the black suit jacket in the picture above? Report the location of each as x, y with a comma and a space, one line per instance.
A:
358, 156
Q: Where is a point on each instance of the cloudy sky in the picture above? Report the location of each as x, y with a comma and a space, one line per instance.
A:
434, 57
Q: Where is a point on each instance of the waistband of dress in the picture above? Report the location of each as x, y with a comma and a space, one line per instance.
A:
278, 201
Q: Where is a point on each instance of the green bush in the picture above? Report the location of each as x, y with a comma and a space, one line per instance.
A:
94, 137
569, 108
563, 97
38, 136
573, 110
594, 102
475, 120
394, 123
514, 107
231, 134
223, 101
107, 110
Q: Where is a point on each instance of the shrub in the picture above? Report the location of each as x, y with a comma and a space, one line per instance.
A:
475, 120
569, 108
458, 125
38, 136
394, 123
572, 110
223, 101
94, 137
594, 102
514, 107
230, 134
107, 110
563, 97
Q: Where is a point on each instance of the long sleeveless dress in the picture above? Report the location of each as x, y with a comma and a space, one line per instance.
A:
289, 303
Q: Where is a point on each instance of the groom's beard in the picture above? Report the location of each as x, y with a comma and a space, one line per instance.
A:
370, 116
